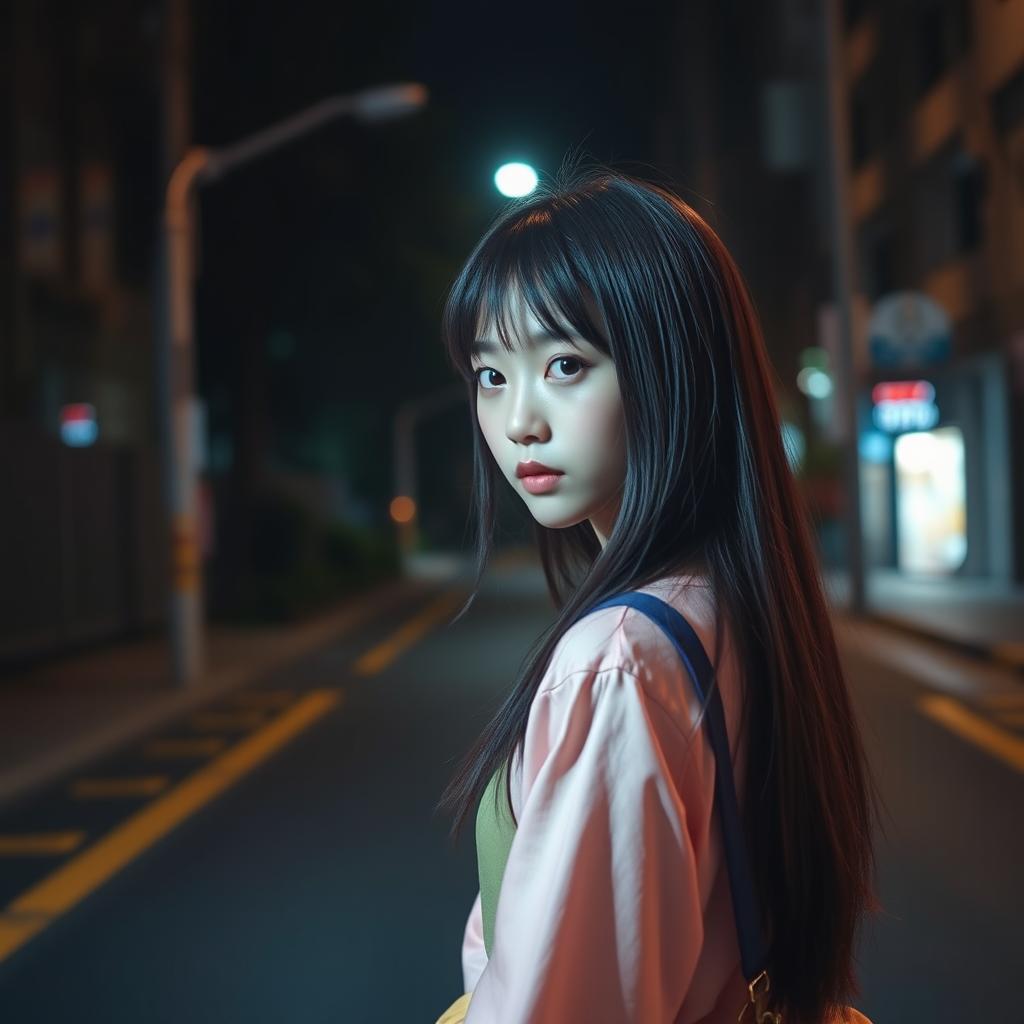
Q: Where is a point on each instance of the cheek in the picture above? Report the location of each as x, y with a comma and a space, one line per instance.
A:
605, 428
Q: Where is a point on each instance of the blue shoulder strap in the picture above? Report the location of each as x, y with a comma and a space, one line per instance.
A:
753, 952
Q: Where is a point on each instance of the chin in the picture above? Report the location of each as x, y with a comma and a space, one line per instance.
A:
555, 521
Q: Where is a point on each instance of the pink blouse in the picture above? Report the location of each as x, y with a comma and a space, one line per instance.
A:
615, 905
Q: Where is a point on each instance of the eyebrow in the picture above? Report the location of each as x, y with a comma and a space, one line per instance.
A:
485, 345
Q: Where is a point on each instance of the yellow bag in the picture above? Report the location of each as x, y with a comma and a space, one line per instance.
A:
456, 1013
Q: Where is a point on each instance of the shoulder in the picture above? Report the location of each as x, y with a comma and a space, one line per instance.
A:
622, 642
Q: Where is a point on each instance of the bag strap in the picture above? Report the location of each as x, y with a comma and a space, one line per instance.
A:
753, 948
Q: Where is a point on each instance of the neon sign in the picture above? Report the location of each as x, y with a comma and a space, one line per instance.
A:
903, 405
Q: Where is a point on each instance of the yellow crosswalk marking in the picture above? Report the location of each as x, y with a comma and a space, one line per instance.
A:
100, 789
64, 888
201, 746
37, 844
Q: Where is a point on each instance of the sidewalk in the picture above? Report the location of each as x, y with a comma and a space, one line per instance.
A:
978, 617
63, 713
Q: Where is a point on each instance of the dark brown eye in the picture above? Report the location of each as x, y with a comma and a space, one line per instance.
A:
482, 370
569, 359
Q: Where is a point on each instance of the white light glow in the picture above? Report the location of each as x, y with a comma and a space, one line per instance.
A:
515, 180
814, 382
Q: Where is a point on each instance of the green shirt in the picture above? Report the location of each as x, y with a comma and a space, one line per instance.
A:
495, 831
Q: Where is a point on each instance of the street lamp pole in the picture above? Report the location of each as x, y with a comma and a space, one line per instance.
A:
199, 166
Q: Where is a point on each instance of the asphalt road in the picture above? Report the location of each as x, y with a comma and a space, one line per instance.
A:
316, 884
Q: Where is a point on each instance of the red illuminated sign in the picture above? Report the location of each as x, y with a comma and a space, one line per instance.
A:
903, 391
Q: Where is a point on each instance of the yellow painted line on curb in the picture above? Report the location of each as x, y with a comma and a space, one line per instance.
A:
376, 659
35, 844
227, 719
188, 746
102, 789
68, 885
975, 729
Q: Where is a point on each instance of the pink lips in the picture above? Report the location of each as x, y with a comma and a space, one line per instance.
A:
541, 483
532, 468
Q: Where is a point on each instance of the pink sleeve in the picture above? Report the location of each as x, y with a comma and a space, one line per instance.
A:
474, 955
599, 917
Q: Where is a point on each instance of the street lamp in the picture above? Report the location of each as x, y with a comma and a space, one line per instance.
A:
515, 180
199, 166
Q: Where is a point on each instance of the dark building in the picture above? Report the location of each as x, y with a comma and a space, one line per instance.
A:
79, 200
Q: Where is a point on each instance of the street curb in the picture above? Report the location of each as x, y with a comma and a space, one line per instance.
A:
1008, 655
29, 777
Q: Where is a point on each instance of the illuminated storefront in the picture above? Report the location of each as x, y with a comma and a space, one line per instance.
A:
934, 470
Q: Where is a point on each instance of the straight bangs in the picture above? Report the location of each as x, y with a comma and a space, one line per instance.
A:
531, 257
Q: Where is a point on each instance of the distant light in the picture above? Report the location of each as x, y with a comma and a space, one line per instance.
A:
813, 382
78, 427
875, 446
514, 180
402, 509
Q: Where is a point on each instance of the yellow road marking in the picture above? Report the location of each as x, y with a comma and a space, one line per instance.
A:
67, 886
378, 658
202, 746
262, 698
954, 716
100, 789
34, 844
227, 719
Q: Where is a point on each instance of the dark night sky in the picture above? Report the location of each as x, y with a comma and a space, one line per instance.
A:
344, 243
541, 79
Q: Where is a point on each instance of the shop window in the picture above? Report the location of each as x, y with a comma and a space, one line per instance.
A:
931, 501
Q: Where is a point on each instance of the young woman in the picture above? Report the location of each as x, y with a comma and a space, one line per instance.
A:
607, 335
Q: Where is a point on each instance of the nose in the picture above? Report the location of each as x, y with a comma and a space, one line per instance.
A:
526, 423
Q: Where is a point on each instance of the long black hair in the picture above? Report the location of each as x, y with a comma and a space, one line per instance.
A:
707, 483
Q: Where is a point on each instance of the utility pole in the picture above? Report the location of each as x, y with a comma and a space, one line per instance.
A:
843, 269
198, 166
173, 381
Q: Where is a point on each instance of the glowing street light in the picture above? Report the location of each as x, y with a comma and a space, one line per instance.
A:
515, 180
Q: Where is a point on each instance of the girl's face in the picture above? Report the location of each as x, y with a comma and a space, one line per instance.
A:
557, 404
